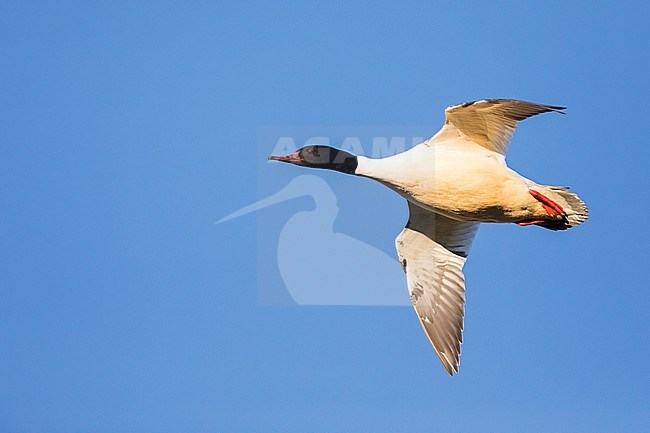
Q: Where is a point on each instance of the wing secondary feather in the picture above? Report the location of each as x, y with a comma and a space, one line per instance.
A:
432, 249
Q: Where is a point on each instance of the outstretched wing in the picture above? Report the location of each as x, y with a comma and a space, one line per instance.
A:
492, 122
432, 249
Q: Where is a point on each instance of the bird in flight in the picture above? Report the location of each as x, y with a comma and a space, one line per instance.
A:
452, 182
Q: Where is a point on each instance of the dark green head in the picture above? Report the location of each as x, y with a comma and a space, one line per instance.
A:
320, 156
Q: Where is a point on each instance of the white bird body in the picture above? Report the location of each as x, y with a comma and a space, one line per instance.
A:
452, 182
464, 183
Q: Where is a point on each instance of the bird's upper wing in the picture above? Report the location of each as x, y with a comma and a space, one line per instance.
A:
432, 249
492, 122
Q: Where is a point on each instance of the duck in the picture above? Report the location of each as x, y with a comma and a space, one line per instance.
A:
453, 182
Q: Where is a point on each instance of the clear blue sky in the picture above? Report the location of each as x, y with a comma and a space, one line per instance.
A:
127, 129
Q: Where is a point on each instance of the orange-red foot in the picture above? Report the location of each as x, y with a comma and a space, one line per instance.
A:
530, 222
551, 208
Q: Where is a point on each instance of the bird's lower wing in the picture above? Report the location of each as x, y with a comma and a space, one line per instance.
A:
432, 249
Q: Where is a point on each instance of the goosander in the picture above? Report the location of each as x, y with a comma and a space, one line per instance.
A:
452, 182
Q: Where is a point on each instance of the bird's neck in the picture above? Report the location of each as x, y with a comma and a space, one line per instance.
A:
347, 165
381, 169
